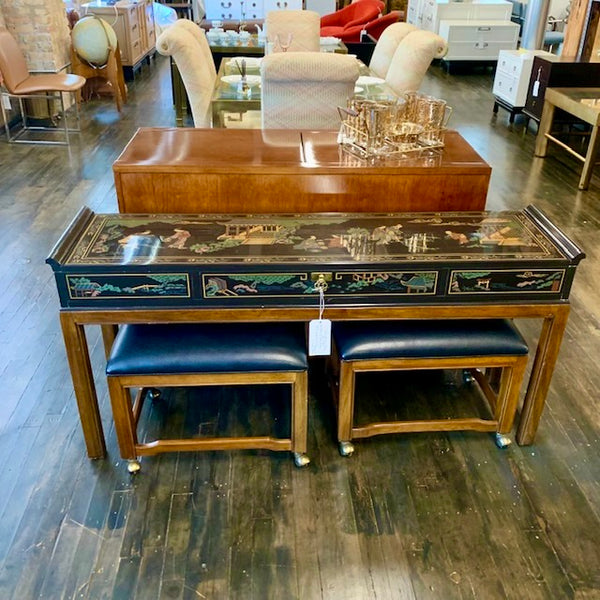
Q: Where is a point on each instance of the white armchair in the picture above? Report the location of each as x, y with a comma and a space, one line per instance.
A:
303, 25
200, 35
197, 72
386, 46
412, 59
303, 89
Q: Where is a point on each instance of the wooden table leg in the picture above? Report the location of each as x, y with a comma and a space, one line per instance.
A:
541, 374
541, 141
179, 94
590, 159
109, 333
83, 383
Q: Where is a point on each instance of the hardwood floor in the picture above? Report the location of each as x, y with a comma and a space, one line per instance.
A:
416, 516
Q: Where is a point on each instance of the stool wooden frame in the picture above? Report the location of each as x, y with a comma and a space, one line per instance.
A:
126, 415
503, 404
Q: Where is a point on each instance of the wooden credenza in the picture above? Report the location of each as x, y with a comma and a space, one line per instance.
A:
174, 170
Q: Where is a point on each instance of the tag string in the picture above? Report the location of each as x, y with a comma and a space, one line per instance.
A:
321, 302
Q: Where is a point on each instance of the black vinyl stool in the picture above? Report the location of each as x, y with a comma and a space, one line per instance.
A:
461, 344
182, 355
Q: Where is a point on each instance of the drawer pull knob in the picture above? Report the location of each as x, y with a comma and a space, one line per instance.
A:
484, 29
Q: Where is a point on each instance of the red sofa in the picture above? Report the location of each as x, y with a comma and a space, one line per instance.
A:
373, 28
357, 13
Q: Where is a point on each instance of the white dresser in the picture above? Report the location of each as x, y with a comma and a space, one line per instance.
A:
227, 10
478, 40
511, 82
475, 30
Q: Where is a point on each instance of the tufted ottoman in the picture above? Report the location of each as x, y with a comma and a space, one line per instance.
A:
180, 355
449, 344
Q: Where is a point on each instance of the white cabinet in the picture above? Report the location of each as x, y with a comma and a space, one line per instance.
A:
513, 74
427, 14
323, 7
470, 28
513, 78
227, 10
478, 40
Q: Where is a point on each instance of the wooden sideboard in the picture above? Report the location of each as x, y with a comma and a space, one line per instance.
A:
174, 170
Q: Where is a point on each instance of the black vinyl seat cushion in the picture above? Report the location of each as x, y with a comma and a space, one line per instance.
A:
371, 340
208, 348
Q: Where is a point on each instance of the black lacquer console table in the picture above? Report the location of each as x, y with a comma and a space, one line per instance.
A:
125, 268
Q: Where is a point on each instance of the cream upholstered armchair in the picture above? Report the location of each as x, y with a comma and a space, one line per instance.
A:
412, 59
303, 25
200, 35
386, 46
189, 51
304, 89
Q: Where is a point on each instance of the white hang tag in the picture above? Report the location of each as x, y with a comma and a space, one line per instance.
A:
6, 102
319, 337
536, 84
319, 330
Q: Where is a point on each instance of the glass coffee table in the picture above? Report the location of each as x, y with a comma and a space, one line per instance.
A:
253, 47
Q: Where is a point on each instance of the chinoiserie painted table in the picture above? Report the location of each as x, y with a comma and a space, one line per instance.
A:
113, 268
171, 170
583, 103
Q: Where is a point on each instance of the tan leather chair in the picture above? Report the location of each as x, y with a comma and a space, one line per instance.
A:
302, 90
20, 84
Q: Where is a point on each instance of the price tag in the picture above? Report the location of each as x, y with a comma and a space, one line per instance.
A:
319, 330
319, 337
536, 88
6, 102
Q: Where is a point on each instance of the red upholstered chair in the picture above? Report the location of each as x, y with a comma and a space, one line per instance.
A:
357, 13
373, 28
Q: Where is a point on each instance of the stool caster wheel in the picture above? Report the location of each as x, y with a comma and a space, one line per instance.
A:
153, 393
300, 459
502, 440
133, 466
346, 448
467, 377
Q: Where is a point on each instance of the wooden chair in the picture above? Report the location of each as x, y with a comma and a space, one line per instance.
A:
302, 90
398, 345
154, 356
21, 85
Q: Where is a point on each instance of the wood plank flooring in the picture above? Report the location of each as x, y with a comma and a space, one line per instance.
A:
412, 517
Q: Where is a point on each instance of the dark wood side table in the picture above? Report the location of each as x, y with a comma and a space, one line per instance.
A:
557, 72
